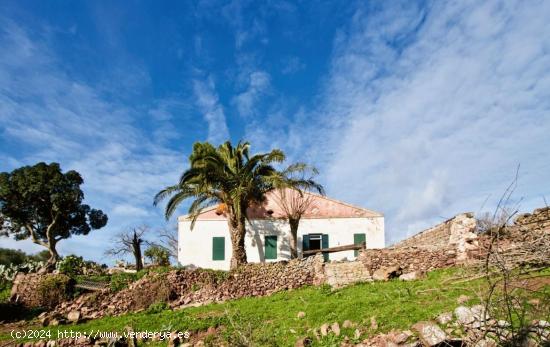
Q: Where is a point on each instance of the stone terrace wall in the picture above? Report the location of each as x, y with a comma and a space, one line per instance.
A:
191, 287
456, 233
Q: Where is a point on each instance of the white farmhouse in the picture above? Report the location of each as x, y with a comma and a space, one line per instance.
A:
326, 223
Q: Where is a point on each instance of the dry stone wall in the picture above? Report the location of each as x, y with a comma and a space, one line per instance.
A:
457, 232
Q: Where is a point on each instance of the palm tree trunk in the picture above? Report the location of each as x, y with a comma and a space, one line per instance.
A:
293, 237
237, 230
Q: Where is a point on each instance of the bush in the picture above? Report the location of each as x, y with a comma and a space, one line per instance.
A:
53, 289
158, 255
71, 265
7, 273
12, 256
74, 266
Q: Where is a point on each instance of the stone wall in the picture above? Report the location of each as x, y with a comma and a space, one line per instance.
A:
40, 290
457, 232
181, 288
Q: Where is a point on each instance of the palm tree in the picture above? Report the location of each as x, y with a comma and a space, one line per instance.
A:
229, 176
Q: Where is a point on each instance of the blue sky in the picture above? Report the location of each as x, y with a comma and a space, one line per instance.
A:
420, 110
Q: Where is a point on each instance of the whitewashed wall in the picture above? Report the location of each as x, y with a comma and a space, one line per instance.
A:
195, 246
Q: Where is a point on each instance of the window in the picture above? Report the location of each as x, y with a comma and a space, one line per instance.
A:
218, 248
315, 241
270, 245
357, 240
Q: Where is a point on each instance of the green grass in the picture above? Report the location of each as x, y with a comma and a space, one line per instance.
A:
272, 320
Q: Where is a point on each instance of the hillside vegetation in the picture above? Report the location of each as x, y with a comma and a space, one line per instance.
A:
273, 321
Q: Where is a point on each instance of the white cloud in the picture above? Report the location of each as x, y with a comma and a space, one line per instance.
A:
259, 83
208, 103
54, 117
425, 114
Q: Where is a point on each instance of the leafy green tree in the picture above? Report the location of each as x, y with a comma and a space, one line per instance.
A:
12, 256
44, 204
158, 255
230, 176
40, 256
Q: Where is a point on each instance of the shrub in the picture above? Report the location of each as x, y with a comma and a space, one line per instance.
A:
158, 307
53, 289
71, 265
158, 255
7, 273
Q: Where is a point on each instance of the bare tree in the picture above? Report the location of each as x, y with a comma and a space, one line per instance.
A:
169, 241
129, 242
294, 204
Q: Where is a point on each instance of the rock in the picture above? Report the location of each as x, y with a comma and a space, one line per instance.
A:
411, 276
347, 324
485, 343
301, 314
357, 334
74, 316
335, 327
44, 321
462, 299
386, 273
174, 339
82, 340
400, 337
464, 315
54, 322
429, 333
373, 323
324, 329
444, 318
303, 342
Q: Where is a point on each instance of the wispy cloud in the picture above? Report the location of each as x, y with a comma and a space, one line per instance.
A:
292, 65
209, 105
56, 117
258, 85
428, 111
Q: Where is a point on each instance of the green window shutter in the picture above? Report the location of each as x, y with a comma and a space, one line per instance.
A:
218, 248
305, 243
270, 247
357, 240
324, 244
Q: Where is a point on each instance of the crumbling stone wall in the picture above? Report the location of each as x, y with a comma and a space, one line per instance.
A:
27, 289
524, 242
191, 287
457, 233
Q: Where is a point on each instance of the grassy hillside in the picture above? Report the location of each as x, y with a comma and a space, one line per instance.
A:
273, 321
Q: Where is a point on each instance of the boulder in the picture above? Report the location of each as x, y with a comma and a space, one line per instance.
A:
464, 315
386, 273
411, 276
74, 316
429, 333
324, 329
462, 299
303, 342
444, 318
335, 327
348, 324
